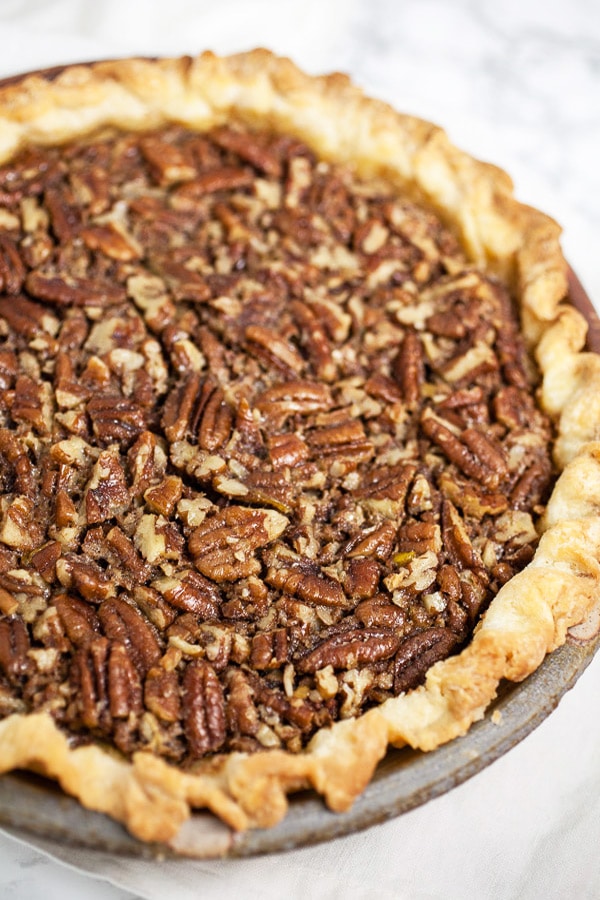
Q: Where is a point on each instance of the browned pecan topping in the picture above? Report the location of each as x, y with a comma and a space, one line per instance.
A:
268, 445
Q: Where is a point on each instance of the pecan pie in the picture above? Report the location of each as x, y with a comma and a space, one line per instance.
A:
296, 443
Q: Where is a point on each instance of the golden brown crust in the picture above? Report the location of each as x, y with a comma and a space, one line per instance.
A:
531, 614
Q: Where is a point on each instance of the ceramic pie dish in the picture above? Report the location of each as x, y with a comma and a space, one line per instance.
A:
298, 449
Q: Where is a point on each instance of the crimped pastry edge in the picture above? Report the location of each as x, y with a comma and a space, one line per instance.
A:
530, 615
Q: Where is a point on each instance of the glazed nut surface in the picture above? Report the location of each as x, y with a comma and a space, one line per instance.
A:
284, 480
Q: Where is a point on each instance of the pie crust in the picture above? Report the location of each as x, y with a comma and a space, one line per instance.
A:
530, 615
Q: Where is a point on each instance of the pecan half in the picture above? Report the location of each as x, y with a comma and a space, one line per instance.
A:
408, 368
350, 649
78, 619
88, 677
470, 458
309, 583
204, 718
270, 649
14, 645
69, 291
418, 653
191, 593
123, 622
223, 547
12, 270
124, 685
226, 178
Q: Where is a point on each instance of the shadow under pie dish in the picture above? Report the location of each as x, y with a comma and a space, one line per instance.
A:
297, 449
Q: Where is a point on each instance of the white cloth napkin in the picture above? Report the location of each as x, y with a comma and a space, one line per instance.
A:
529, 825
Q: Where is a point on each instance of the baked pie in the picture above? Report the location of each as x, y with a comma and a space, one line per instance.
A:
297, 437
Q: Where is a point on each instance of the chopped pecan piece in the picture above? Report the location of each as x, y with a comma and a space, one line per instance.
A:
513, 407
532, 486
456, 539
107, 492
273, 350
362, 578
242, 716
45, 559
18, 528
134, 568
64, 214
471, 498
8, 604
250, 148
164, 497
8, 368
115, 418
147, 461
315, 341
30, 404
264, 489
168, 162
86, 577
110, 241
162, 694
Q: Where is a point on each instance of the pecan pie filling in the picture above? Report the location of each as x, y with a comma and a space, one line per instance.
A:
268, 445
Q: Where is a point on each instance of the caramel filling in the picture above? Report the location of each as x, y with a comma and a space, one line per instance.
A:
268, 443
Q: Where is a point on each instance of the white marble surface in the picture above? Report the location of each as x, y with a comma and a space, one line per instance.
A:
517, 83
